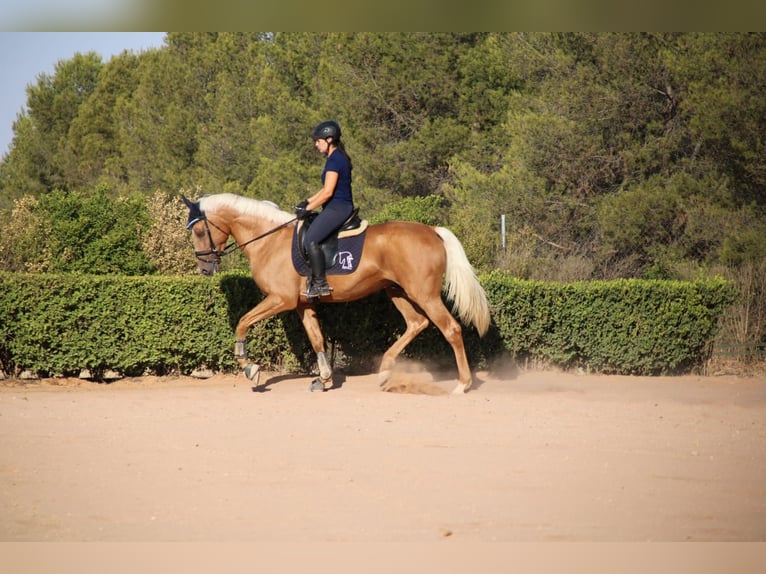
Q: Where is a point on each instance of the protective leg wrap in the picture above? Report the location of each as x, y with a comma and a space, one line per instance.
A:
325, 371
240, 349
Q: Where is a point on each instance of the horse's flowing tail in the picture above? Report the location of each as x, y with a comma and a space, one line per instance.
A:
469, 302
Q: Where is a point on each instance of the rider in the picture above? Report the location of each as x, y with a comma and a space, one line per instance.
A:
334, 197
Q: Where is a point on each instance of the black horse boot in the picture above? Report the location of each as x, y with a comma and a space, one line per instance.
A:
318, 286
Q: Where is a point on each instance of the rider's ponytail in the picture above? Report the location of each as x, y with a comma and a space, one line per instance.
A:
342, 150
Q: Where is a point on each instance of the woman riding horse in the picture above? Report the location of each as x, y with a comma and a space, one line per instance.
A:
411, 261
335, 198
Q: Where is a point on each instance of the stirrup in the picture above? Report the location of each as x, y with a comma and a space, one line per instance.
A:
317, 289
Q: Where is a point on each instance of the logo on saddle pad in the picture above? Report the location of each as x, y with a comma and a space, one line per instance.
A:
346, 260
342, 251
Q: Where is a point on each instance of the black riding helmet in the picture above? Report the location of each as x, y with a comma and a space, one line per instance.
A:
329, 129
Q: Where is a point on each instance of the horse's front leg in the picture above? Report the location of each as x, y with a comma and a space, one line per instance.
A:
270, 305
311, 325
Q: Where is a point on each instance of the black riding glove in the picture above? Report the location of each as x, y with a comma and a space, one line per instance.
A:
300, 210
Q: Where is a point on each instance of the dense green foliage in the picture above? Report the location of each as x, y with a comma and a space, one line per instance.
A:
623, 326
612, 155
90, 234
62, 323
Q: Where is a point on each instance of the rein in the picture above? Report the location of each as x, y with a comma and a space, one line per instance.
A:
233, 246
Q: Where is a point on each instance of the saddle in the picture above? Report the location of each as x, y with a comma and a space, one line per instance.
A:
342, 249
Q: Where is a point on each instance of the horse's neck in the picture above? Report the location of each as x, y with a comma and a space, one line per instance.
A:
244, 229
252, 230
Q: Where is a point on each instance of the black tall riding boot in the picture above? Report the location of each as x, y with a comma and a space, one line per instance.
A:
318, 286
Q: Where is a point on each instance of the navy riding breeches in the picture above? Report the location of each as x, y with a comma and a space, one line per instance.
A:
329, 219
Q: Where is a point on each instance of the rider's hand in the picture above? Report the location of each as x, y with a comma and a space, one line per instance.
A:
300, 210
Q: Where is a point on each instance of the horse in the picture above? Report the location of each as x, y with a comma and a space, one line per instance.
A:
412, 262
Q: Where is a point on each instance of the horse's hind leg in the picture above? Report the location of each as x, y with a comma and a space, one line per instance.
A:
311, 325
452, 331
415, 321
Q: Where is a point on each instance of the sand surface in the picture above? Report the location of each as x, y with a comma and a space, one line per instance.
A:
524, 456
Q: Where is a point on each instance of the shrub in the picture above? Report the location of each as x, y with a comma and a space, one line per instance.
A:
625, 326
62, 323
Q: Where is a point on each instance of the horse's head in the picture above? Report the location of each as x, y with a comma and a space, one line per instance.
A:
208, 238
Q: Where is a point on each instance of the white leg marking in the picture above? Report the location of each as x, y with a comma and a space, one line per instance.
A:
459, 389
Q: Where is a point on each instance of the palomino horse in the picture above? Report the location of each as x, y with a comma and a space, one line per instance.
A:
411, 261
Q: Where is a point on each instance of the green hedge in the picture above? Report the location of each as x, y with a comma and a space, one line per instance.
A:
60, 324
625, 326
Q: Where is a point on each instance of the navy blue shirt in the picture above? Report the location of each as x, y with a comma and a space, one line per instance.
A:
339, 163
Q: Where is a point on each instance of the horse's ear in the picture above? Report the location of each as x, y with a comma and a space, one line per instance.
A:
189, 203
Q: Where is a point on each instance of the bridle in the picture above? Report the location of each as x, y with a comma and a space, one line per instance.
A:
218, 254
214, 251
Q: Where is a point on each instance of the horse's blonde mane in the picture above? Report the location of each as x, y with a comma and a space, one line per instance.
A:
245, 205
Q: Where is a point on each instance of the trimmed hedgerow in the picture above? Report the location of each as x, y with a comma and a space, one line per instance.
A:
625, 326
60, 324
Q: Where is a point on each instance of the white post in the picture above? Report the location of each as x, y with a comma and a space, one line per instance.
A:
502, 230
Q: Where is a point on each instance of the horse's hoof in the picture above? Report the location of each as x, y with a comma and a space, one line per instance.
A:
316, 385
460, 389
252, 372
383, 377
